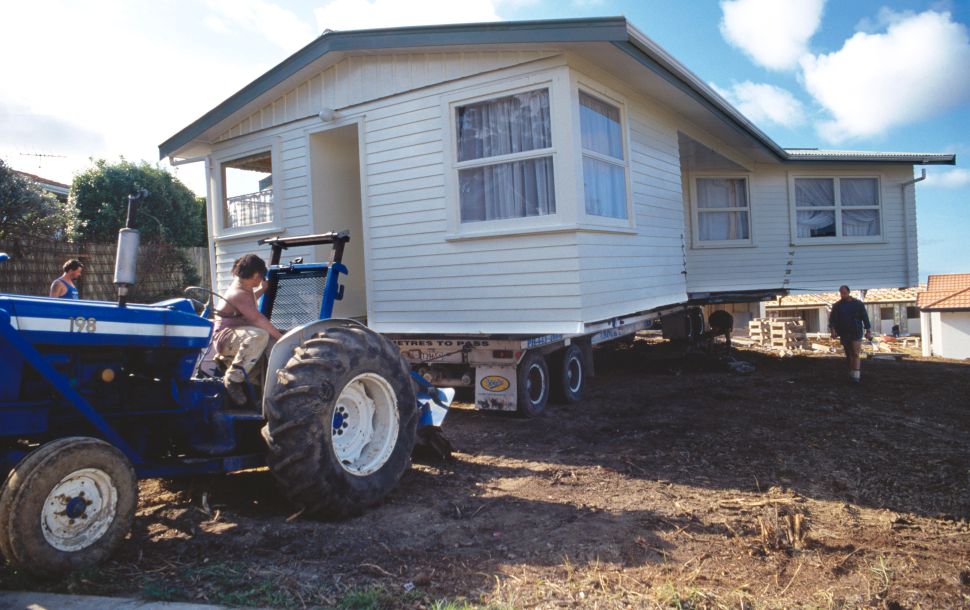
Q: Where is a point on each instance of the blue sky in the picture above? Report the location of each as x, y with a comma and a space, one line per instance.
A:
114, 78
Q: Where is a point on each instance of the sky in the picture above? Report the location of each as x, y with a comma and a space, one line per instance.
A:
112, 79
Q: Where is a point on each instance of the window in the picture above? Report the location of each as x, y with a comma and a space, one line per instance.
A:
722, 210
604, 166
505, 167
837, 207
247, 187
912, 312
885, 313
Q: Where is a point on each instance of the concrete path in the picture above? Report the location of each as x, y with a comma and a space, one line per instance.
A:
55, 601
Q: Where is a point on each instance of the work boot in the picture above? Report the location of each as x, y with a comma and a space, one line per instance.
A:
237, 392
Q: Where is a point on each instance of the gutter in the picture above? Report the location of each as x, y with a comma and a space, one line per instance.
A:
906, 245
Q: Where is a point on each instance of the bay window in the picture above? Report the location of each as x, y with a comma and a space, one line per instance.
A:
604, 165
505, 163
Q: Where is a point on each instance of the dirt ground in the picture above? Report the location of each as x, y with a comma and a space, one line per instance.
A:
674, 483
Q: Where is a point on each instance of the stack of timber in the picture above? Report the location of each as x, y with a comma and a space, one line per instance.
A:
759, 331
787, 334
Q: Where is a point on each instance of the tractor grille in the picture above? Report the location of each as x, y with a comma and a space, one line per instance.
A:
298, 299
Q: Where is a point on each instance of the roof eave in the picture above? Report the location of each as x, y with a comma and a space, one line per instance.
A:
600, 29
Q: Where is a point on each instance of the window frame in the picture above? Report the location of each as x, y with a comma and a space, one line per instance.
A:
583, 86
696, 241
838, 208
218, 185
504, 226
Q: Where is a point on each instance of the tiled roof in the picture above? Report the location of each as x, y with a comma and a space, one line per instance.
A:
824, 299
946, 292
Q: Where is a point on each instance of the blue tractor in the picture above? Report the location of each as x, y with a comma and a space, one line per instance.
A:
95, 395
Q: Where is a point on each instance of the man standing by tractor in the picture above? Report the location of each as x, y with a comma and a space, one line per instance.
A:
848, 322
242, 333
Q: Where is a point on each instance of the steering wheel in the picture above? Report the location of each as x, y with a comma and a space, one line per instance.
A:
208, 306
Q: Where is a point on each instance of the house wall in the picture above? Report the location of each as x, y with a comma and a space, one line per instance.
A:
814, 267
951, 334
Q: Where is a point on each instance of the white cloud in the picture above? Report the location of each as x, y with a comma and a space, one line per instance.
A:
283, 28
365, 14
918, 68
764, 103
948, 179
774, 33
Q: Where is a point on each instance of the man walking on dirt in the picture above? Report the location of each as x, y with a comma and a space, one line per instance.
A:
849, 321
242, 333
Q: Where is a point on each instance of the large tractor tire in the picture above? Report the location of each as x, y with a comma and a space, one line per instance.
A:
341, 422
67, 506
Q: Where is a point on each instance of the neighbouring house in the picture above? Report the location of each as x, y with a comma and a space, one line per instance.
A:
887, 307
945, 312
59, 190
537, 177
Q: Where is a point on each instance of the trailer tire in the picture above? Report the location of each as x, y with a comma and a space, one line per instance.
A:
570, 375
341, 422
532, 377
67, 505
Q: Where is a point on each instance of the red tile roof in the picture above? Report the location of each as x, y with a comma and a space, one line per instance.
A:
943, 292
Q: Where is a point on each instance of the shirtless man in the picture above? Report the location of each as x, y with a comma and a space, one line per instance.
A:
242, 333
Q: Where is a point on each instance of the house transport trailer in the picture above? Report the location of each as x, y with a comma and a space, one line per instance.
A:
508, 182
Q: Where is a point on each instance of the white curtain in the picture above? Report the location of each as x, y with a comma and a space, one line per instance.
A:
815, 192
604, 183
858, 192
860, 222
507, 125
716, 194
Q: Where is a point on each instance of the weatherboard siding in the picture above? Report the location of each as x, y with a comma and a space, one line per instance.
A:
813, 266
358, 79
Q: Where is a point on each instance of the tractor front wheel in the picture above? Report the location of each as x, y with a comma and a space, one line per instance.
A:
341, 422
67, 506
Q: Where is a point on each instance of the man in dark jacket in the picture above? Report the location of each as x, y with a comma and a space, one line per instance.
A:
849, 321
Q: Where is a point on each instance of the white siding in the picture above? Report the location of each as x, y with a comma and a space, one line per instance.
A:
951, 334
358, 79
813, 267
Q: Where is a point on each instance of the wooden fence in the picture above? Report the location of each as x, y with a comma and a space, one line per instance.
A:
163, 271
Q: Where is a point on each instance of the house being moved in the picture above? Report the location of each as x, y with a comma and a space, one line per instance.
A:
537, 177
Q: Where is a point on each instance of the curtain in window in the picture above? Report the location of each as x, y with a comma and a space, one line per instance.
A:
508, 125
600, 127
718, 226
719, 193
507, 190
815, 192
512, 124
858, 192
860, 222
605, 188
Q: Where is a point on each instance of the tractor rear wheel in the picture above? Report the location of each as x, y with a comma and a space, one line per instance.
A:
67, 506
341, 422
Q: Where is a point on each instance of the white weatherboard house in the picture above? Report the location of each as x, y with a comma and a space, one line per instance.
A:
537, 177
945, 311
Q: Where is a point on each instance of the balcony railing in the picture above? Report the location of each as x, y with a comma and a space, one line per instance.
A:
250, 209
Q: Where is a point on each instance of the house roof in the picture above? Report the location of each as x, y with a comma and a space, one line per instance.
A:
824, 299
949, 292
614, 32
58, 188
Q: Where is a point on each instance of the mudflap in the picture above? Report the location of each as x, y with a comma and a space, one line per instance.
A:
433, 404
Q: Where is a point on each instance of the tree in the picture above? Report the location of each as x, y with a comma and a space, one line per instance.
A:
29, 212
171, 213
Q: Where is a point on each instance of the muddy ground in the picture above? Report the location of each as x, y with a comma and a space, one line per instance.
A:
674, 483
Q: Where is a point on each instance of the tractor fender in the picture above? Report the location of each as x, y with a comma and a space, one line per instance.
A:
283, 349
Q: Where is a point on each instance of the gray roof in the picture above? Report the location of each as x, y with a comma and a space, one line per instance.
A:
612, 30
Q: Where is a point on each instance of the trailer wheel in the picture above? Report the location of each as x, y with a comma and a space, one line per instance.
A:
533, 384
66, 506
340, 425
571, 375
